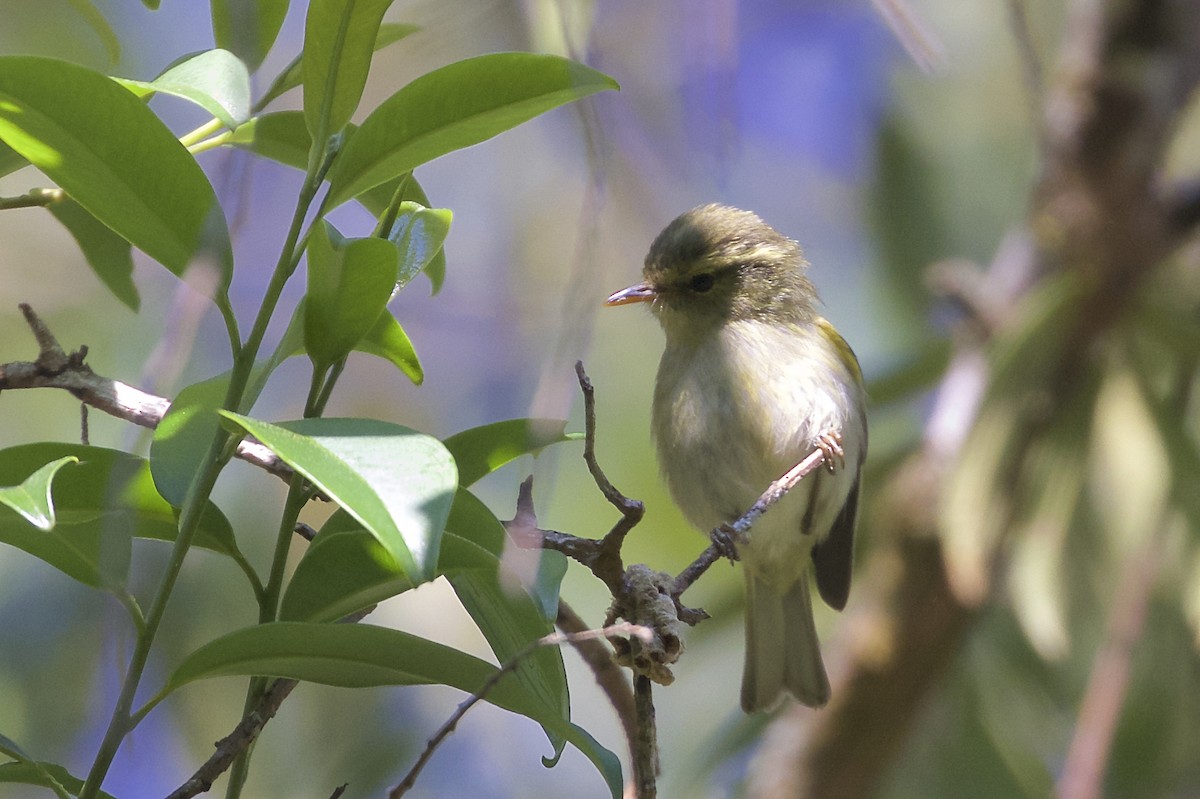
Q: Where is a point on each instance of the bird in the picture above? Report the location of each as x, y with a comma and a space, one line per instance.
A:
752, 379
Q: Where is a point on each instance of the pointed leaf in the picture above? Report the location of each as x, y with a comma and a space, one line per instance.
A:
398, 483
280, 136
482, 450
454, 107
114, 157
349, 284
379, 198
96, 21
388, 340
99, 504
10, 160
248, 28
32, 498
184, 435
418, 234
362, 655
339, 38
215, 80
109, 255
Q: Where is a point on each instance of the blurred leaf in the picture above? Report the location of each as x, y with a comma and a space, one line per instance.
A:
388, 340
105, 499
482, 450
398, 483
248, 28
215, 80
418, 234
454, 107
32, 498
339, 38
923, 369
292, 75
96, 21
109, 255
349, 284
362, 655
114, 157
44, 775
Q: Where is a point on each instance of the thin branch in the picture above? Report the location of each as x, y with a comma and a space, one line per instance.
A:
1087, 756
55, 368
646, 766
236, 742
554, 639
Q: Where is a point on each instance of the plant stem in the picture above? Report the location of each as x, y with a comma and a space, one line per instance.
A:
197, 497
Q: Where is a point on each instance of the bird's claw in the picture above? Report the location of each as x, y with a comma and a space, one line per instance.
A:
831, 445
726, 539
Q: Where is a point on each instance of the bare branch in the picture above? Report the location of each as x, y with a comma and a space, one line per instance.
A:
54, 368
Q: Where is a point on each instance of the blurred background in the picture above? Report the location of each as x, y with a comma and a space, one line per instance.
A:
809, 112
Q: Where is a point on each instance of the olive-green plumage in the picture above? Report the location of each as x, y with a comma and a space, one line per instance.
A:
751, 379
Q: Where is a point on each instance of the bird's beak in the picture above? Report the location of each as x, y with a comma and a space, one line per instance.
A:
642, 292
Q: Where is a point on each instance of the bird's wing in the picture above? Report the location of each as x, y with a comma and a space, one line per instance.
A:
834, 555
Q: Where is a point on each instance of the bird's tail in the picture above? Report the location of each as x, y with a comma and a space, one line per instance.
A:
782, 650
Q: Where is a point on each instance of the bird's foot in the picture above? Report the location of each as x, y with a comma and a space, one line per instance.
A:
831, 445
726, 539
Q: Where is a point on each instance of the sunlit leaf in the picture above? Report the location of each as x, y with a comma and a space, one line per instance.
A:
215, 80
32, 498
398, 483
113, 156
482, 450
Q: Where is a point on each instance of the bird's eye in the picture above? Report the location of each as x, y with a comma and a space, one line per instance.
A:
702, 283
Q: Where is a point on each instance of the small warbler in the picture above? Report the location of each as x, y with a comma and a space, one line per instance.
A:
751, 381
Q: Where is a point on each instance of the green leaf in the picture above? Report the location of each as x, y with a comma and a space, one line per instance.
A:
32, 498
45, 775
10, 160
96, 21
454, 107
363, 655
106, 499
349, 284
292, 75
398, 483
418, 234
109, 255
215, 80
182, 438
115, 158
248, 28
339, 38
379, 198
482, 450
388, 340
280, 136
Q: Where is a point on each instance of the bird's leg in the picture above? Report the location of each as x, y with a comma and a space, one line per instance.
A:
831, 445
726, 538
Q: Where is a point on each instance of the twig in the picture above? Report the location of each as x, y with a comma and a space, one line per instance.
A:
554, 639
55, 368
645, 760
1087, 756
775, 492
236, 742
